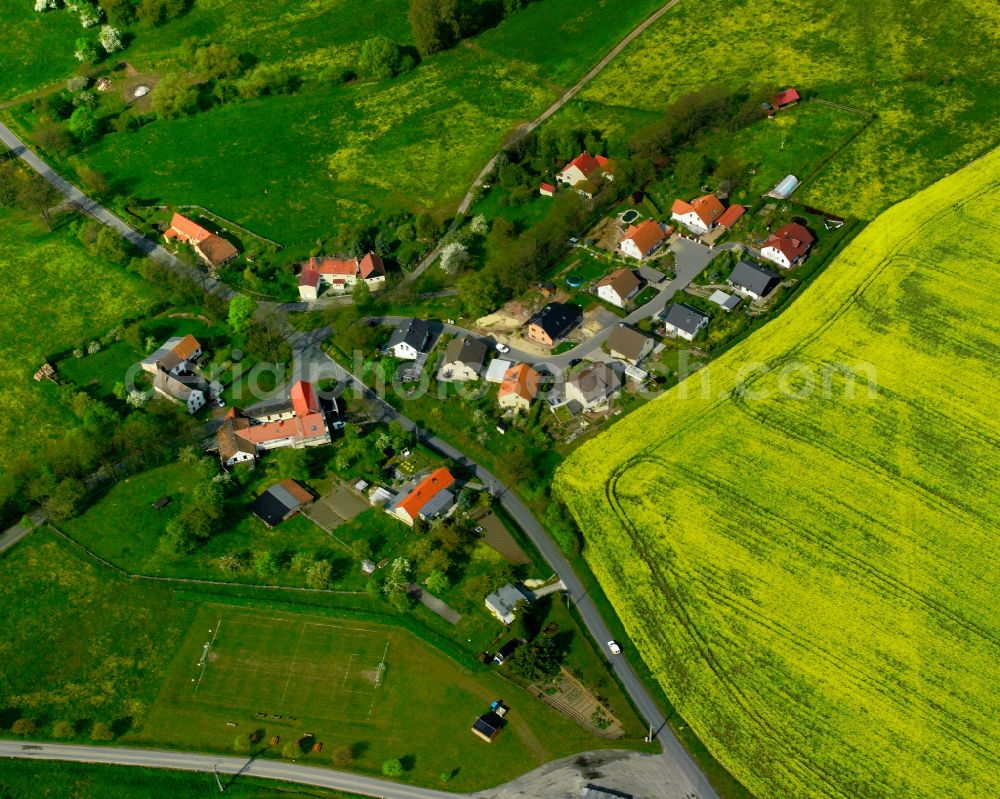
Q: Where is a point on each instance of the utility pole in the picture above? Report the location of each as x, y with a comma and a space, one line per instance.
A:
215, 770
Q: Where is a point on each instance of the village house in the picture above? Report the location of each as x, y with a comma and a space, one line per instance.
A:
340, 275
176, 356
593, 386
629, 345
700, 215
409, 339
553, 323
619, 287
431, 497
683, 320
502, 602
643, 240
753, 281
583, 168
519, 386
788, 245
188, 390
296, 422
214, 250
463, 359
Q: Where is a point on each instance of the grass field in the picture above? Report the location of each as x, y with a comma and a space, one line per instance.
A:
856, 52
79, 645
376, 689
22, 779
326, 670
810, 572
56, 296
333, 154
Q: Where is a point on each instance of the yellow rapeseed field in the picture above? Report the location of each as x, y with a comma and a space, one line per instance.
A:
803, 541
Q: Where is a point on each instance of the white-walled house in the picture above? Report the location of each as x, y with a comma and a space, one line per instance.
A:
700, 215
340, 274
683, 320
753, 281
582, 168
409, 339
643, 240
619, 287
788, 245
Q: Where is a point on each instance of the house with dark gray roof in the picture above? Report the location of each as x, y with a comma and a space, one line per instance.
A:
683, 320
752, 280
593, 386
553, 323
629, 345
409, 339
463, 359
281, 501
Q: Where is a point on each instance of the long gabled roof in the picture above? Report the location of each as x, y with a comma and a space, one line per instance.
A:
684, 317
708, 208
557, 318
438, 480
192, 231
753, 278
371, 266
587, 163
216, 249
411, 331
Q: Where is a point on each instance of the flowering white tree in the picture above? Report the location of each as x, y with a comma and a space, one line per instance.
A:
77, 83
136, 398
453, 257
45, 5
94, 346
110, 39
479, 225
90, 16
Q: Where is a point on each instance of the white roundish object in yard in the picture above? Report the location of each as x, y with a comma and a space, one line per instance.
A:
140, 91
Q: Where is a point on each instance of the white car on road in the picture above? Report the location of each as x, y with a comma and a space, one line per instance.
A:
502, 348
615, 649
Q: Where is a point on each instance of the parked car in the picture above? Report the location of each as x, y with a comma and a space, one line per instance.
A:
615, 649
503, 349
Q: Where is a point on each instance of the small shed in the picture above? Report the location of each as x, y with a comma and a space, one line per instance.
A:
785, 187
162, 502
496, 370
723, 300
488, 726
281, 501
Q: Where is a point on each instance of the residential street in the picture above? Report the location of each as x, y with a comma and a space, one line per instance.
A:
314, 364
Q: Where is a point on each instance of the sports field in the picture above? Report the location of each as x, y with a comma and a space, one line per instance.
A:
295, 667
802, 538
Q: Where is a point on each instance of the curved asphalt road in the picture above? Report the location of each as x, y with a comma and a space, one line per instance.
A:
228, 767
311, 363
525, 129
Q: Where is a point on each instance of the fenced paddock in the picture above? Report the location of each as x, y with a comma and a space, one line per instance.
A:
282, 667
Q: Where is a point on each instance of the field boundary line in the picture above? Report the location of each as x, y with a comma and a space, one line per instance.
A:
347, 671
295, 657
208, 651
378, 677
340, 627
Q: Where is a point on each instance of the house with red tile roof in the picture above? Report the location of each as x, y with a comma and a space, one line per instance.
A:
785, 98
700, 215
731, 216
214, 250
431, 497
340, 274
584, 167
296, 422
185, 230
788, 245
643, 240
519, 386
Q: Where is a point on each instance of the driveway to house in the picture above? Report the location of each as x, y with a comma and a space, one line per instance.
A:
525, 129
312, 364
97, 211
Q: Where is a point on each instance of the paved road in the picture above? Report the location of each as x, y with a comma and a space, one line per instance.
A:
525, 129
691, 259
94, 209
314, 364
227, 766
14, 534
